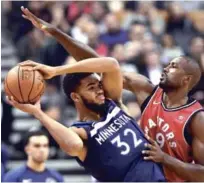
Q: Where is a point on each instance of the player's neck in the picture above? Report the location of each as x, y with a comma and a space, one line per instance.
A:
87, 115
175, 98
38, 167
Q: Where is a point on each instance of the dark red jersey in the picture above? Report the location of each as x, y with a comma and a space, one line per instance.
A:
168, 126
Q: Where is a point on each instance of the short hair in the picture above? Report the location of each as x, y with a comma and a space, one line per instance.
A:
193, 68
72, 81
33, 132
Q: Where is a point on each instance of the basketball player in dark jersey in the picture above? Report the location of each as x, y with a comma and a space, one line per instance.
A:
106, 141
178, 78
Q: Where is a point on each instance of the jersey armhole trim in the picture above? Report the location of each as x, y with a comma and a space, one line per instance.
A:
186, 135
148, 99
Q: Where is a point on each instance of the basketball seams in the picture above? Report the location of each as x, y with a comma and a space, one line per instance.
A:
27, 86
19, 83
39, 94
31, 86
10, 90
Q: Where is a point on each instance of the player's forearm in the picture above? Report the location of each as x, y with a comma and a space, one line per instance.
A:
136, 82
98, 65
77, 49
68, 140
188, 171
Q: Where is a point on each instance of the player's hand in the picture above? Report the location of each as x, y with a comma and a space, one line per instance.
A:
29, 108
48, 72
37, 22
154, 151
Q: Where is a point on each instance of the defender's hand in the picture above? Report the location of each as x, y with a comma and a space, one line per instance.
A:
29, 108
37, 22
48, 72
154, 152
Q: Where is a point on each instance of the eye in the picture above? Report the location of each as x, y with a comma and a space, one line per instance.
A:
100, 85
36, 145
91, 88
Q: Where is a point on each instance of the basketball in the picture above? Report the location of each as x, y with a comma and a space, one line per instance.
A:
26, 86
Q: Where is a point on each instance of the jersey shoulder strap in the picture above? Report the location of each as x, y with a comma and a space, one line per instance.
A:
146, 101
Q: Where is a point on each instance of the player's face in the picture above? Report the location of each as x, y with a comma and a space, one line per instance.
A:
173, 75
38, 148
91, 93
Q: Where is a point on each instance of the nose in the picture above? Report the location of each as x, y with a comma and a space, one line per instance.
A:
100, 91
166, 69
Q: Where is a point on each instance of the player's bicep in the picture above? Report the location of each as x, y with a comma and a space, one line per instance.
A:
72, 146
198, 151
113, 84
198, 138
139, 85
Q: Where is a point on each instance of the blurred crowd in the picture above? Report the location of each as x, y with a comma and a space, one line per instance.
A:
142, 36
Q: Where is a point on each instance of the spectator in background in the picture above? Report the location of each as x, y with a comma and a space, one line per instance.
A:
196, 51
156, 21
139, 14
76, 9
93, 39
99, 10
137, 31
78, 31
196, 48
153, 67
115, 34
37, 150
26, 50
133, 107
132, 53
149, 44
120, 53
170, 49
179, 25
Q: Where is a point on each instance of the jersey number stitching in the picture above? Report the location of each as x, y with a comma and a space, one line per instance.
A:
120, 143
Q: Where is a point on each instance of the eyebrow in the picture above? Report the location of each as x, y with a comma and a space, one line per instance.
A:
40, 144
90, 84
174, 63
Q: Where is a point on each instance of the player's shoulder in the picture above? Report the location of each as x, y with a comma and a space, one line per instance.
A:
14, 174
56, 175
155, 90
81, 124
198, 115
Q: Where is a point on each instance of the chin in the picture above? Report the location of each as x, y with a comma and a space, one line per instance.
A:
101, 102
41, 160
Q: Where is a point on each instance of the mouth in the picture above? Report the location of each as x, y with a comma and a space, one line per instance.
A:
163, 76
101, 97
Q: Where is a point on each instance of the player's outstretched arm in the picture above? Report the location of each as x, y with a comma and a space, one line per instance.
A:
81, 51
68, 139
77, 49
188, 171
109, 67
138, 84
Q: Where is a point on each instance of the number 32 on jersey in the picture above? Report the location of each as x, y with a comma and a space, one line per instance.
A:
123, 145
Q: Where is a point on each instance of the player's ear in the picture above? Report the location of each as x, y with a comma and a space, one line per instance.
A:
187, 79
26, 149
75, 97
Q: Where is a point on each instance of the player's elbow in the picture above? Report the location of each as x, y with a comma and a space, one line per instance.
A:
73, 149
113, 63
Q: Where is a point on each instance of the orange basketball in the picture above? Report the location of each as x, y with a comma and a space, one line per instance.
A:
26, 86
